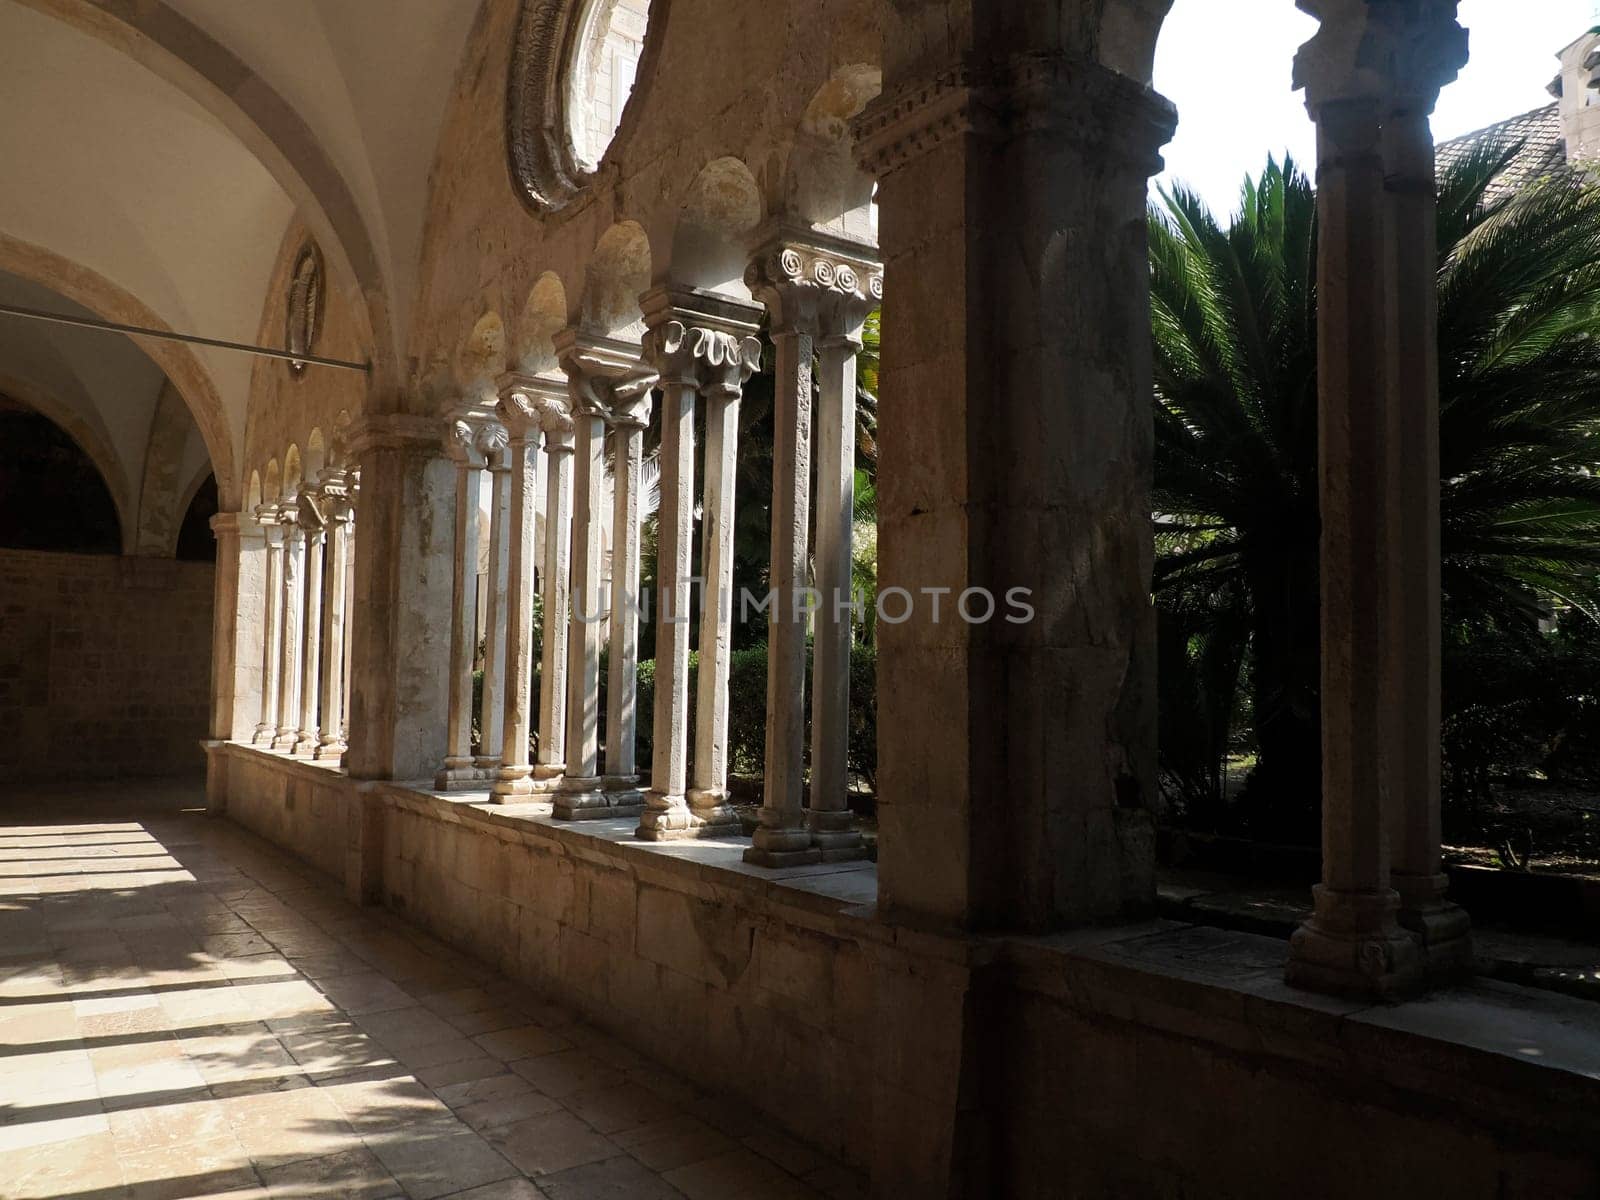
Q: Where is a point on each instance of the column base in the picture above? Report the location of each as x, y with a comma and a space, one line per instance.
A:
1442, 929
511, 785
671, 819
548, 777
264, 735
487, 764
579, 798
331, 751
306, 745
776, 847
834, 833
461, 775
286, 739
1351, 946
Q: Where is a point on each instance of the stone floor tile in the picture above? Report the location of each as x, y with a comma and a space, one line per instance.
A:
466, 1070
738, 1175
408, 1028
374, 1105
163, 1126
566, 1073
506, 1189
620, 1178
440, 1164
55, 1169
553, 1142
214, 1167
488, 1115
367, 992
284, 1127
620, 1107
793, 1156
485, 1020
522, 1041
838, 1183
354, 1174
678, 1142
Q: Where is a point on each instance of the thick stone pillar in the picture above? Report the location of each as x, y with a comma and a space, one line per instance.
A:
335, 616
1435, 50
493, 718
792, 285
559, 446
460, 770
400, 615
294, 567
1017, 752
272, 626
727, 363
630, 417
694, 336
238, 626
833, 830
311, 658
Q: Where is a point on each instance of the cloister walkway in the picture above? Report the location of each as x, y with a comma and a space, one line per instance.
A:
184, 1012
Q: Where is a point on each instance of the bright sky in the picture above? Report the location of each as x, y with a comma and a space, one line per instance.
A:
1231, 80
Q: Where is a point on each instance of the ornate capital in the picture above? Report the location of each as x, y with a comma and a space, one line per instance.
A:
632, 399
462, 443
526, 402
491, 443
1076, 101
696, 336
1397, 53
814, 289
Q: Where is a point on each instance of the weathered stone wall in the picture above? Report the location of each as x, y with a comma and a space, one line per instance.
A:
298, 805
104, 665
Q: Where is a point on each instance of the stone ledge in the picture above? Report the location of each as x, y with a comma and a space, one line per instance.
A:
311, 769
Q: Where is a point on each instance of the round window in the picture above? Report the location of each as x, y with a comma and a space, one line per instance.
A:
605, 61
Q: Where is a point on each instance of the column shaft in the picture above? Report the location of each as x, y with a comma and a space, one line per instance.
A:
335, 639
311, 664
832, 825
271, 638
294, 563
460, 769
513, 777
494, 650
782, 838
557, 604
716, 612
622, 684
580, 792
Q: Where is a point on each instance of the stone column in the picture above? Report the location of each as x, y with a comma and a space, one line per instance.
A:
1017, 752
580, 793
629, 419
493, 718
559, 445
335, 615
833, 830
239, 610
728, 361
349, 612
792, 286
311, 660
400, 613
460, 770
272, 626
294, 567
519, 412
1433, 50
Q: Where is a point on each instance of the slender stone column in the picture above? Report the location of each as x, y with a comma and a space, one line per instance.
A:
792, 287
519, 411
460, 769
630, 418
335, 616
272, 626
557, 595
666, 814
493, 718
311, 660
238, 608
1435, 51
1352, 942
581, 793
294, 566
832, 825
729, 361
350, 616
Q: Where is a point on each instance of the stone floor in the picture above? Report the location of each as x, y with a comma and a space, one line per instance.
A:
186, 1012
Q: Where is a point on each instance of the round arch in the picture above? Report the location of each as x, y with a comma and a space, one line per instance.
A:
89, 439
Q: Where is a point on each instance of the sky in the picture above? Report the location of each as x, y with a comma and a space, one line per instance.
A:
1231, 80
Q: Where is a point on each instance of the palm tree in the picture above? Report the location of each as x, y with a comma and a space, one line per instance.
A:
1234, 317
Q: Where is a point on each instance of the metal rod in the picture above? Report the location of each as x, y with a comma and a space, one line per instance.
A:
35, 314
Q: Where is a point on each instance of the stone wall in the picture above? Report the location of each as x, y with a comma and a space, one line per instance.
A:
104, 665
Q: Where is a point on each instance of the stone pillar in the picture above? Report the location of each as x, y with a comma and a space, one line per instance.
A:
520, 398
833, 830
294, 567
350, 610
400, 614
630, 417
559, 444
694, 336
493, 719
727, 363
1017, 751
460, 770
272, 626
580, 793
792, 286
239, 609
335, 616
311, 659
1435, 52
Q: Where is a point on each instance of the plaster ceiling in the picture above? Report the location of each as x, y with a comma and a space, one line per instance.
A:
117, 171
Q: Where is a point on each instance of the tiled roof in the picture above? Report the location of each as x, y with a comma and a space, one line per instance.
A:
1544, 150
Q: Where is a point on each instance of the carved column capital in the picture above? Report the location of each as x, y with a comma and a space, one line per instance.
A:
1396, 53
696, 337
817, 288
526, 401
632, 399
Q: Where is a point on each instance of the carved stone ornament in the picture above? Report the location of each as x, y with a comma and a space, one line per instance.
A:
303, 305
544, 164
814, 289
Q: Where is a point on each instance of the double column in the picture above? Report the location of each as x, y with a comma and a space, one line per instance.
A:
1371, 76
478, 446
271, 625
338, 512
818, 297
313, 520
293, 646
699, 344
